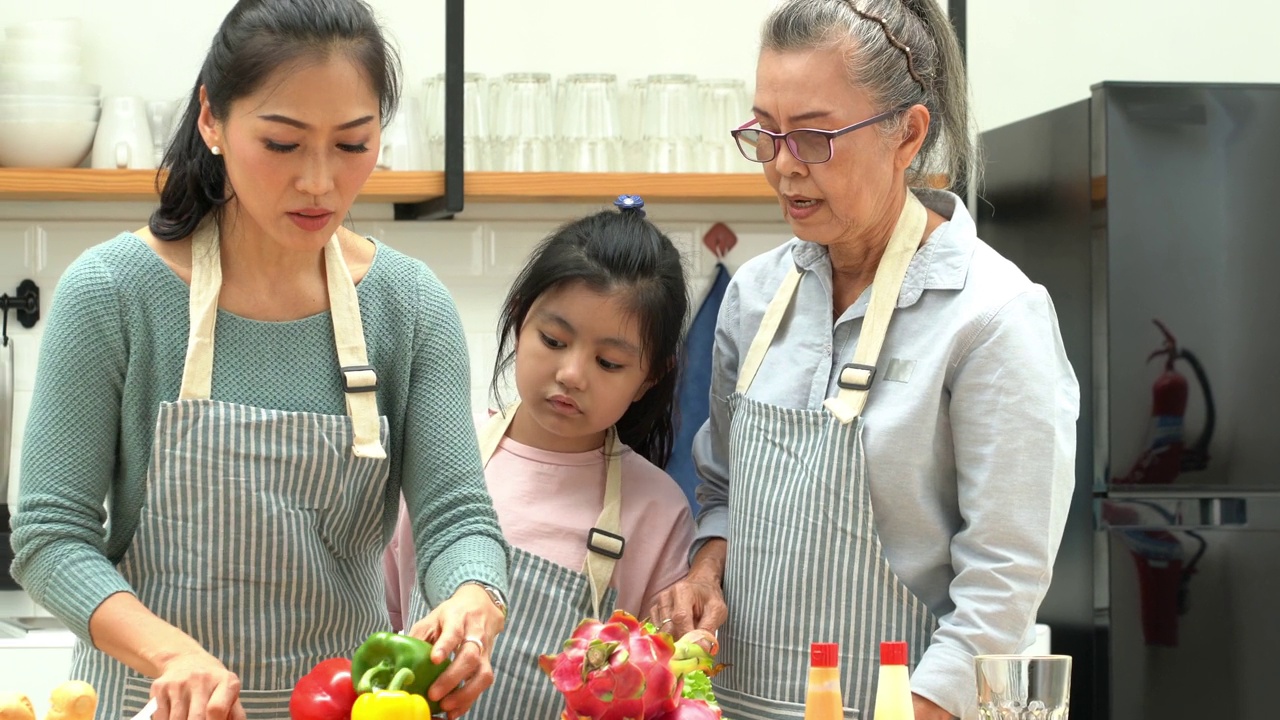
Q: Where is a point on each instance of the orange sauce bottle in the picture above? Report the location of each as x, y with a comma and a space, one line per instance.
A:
823, 700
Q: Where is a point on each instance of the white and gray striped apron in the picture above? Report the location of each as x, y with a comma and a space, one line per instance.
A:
547, 600
261, 530
805, 563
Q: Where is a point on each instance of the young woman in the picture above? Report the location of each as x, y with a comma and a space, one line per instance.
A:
251, 482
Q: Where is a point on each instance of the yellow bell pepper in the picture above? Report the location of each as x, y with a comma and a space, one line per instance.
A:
390, 705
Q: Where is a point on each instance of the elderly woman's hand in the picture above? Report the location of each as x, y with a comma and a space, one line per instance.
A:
697, 601
466, 626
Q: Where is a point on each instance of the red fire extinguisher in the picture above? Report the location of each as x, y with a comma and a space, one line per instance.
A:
1167, 455
1164, 571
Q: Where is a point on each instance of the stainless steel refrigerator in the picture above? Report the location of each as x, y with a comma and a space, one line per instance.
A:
1149, 211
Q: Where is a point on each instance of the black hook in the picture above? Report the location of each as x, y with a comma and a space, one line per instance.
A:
27, 304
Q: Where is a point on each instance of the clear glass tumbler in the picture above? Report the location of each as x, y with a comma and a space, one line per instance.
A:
669, 128
523, 115
591, 134
1023, 687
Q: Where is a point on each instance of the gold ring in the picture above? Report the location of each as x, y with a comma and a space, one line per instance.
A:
473, 639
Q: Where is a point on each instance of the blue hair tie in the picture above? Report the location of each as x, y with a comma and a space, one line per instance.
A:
630, 204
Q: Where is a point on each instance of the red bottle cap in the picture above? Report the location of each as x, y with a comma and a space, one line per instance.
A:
893, 653
824, 655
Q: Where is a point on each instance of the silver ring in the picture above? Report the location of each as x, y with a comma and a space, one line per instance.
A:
473, 639
665, 623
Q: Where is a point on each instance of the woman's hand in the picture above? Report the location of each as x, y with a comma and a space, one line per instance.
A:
696, 602
196, 685
927, 710
465, 625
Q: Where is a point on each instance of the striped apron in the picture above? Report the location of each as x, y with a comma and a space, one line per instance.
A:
261, 530
547, 600
805, 563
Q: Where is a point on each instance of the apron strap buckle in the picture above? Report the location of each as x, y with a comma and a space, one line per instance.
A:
609, 544
850, 379
359, 379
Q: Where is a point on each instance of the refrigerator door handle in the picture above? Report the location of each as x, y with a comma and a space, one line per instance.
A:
1146, 511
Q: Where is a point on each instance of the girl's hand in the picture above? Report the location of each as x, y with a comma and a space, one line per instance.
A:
466, 626
196, 685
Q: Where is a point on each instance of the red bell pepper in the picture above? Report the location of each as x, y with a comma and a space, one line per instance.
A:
325, 693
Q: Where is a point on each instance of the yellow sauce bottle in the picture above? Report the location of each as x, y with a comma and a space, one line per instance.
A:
824, 701
893, 691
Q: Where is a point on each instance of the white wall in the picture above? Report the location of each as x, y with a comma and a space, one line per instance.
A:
1026, 56
154, 47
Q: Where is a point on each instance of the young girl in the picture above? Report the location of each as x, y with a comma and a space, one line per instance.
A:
592, 325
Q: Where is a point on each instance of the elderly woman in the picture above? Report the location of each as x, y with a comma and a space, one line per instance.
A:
891, 443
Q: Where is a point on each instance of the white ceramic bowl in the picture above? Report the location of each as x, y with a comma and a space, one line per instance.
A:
61, 89
24, 143
39, 51
40, 72
49, 113
85, 100
65, 30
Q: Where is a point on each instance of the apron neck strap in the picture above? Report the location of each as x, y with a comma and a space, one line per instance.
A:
359, 380
856, 377
605, 543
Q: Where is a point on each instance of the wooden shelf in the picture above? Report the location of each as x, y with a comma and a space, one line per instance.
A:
409, 187
139, 185
604, 187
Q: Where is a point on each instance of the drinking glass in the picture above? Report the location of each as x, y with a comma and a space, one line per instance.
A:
523, 130
1023, 687
725, 105
669, 126
591, 136
475, 122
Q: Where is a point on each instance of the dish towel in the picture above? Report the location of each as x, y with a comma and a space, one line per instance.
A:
694, 389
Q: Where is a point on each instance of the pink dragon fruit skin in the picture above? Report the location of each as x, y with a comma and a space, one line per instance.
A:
615, 671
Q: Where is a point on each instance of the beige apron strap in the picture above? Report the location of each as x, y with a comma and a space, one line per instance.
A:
856, 377
206, 283
491, 433
768, 328
604, 540
359, 379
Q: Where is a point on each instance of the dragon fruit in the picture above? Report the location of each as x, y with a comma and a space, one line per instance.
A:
691, 709
625, 670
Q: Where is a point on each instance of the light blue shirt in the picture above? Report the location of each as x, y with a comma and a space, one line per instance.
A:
969, 432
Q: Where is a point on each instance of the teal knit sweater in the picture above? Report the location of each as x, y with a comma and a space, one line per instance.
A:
113, 350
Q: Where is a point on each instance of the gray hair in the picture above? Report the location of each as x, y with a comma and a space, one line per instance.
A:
902, 52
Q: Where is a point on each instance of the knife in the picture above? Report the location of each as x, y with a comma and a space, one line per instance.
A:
146, 712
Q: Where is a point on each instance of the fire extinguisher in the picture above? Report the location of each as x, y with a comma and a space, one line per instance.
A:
1166, 455
1164, 571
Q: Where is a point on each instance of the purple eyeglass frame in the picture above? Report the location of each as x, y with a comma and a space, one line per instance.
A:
830, 135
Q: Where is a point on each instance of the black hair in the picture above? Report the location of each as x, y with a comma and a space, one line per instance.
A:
612, 252
256, 39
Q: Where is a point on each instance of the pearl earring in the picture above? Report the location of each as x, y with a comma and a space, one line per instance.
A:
215, 150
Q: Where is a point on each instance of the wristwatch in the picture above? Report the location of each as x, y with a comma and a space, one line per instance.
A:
494, 594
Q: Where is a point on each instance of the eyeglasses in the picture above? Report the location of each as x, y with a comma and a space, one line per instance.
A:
808, 145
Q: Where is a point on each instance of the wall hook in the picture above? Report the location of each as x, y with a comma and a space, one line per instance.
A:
719, 240
26, 303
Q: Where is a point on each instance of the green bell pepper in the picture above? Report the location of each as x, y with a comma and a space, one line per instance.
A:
387, 661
